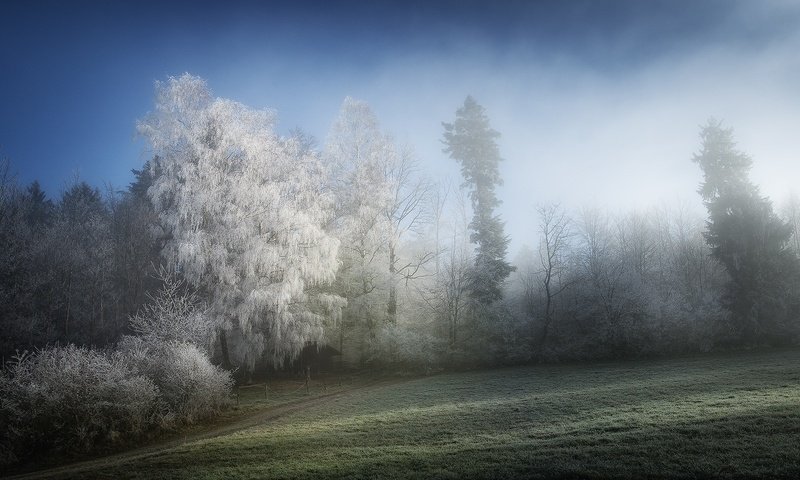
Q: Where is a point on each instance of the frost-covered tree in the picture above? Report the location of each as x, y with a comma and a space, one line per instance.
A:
174, 314
22, 292
605, 291
446, 291
380, 200
555, 231
356, 153
471, 141
82, 255
247, 211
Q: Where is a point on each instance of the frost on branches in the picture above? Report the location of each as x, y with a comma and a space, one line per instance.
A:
380, 198
357, 153
246, 209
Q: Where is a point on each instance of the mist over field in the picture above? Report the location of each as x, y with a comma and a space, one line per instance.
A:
219, 219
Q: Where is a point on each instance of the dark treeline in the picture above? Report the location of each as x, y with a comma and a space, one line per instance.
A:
74, 268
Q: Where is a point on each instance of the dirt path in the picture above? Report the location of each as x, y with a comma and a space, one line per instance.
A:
258, 418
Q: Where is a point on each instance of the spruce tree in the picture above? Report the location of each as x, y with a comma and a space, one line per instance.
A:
471, 141
748, 239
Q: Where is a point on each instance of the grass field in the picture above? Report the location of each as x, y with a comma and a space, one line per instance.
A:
724, 416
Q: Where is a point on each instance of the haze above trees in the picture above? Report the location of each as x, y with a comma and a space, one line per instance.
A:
239, 248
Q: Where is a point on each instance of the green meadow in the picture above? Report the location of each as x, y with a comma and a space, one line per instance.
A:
733, 415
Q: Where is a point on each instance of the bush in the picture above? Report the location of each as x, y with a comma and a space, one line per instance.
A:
191, 387
174, 314
72, 399
69, 399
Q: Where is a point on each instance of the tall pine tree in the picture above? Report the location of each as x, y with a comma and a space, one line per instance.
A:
750, 241
471, 141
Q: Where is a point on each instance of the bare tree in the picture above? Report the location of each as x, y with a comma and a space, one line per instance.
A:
447, 295
603, 272
637, 243
554, 226
405, 212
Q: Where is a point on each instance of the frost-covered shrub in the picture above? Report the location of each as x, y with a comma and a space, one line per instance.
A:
74, 399
190, 386
174, 314
171, 349
69, 399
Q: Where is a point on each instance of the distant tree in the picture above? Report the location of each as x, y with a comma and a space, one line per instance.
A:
748, 238
685, 283
144, 178
603, 277
82, 256
405, 212
637, 244
30, 295
554, 228
356, 152
247, 211
791, 213
12, 264
448, 296
471, 141
138, 237
380, 199
39, 208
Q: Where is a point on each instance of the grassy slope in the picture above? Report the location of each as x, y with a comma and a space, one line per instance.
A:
722, 415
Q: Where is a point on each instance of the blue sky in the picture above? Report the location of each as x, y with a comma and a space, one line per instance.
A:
598, 101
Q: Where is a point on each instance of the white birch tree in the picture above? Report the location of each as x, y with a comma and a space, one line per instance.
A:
247, 210
356, 152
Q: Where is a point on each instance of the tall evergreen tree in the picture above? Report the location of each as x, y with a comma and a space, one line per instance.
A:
39, 209
748, 238
471, 141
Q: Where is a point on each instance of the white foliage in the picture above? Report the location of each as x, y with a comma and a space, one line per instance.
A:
82, 396
357, 153
190, 386
173, 315
246, 209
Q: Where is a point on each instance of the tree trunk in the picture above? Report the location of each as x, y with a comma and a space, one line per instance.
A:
547, 319
69, 304
547, 309
391, 309
341, 342
454, 325
223, 346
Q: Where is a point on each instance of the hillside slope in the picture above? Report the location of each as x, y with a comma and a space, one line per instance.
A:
733, 415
